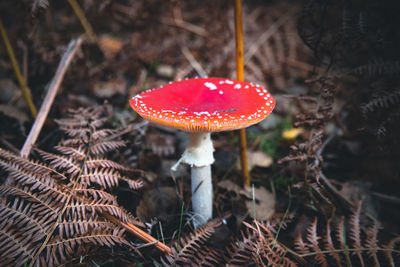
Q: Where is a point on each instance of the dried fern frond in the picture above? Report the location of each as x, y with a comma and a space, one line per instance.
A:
53, 211
329, 246
191, 250
256, 246
390, 248
356, 250
313, 243
355, 232
382, 101
378, 68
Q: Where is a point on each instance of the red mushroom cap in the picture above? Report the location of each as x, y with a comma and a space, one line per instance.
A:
205, 104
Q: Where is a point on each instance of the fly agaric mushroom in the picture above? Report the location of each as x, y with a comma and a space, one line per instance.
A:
201, 106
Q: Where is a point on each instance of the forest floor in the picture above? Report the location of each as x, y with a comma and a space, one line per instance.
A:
323, 165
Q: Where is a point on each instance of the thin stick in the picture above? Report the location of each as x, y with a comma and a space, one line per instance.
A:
49, 99
179, 22
193, 62
20, 78
240, 77
85, 23
140, 234
266, 35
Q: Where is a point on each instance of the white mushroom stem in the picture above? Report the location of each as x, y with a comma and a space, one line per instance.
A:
199, 155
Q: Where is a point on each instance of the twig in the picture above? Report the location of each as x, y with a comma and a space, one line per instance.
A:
193, 62
9, 145
49, 99
265, 36
20, 78
383, 197
179, 22
240, 77
85, 23
140, 234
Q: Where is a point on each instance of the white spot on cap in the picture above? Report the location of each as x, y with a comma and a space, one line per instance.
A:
221, 92
210, 85
228, 81
237, 86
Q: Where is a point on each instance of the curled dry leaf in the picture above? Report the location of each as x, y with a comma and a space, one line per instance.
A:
256, 159
263, 205
110, 88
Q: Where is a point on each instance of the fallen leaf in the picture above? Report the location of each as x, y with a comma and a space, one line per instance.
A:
292, 133
166, 71
110, 88
263, 207
110, 46
256, 159
8, 90
228, 185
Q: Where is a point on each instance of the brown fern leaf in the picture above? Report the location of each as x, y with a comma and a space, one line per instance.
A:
371, 243
93, 163
96, 195
42, 205
378, 68
78, 153
62, 163
390, 249
133, 184
341, 234
360, 246
48, 187
272, 253
23, 217
241, 251
313, 238
257, 247
300, 246
101, 147
58, 249
355, 233
99, 134
71, 228
329, 243
15, 248
79, 133
382, 101
106, 178
86, 209
52, 213
191, 249
28, 165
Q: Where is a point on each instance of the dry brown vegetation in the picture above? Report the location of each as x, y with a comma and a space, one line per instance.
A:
96, 188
